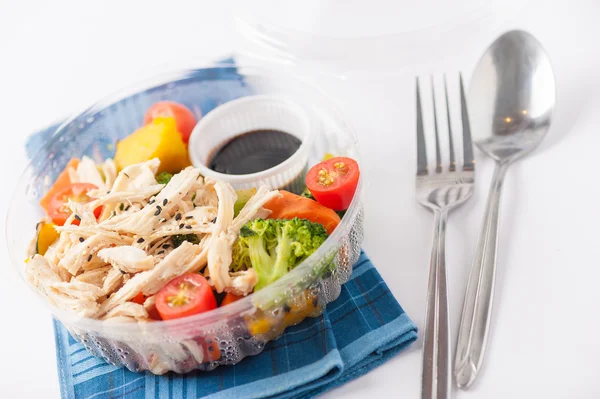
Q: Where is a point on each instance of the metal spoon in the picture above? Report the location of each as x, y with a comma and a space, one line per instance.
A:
511, 100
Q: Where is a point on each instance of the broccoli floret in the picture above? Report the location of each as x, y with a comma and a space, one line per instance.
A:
274, 247
163, 178
180, 238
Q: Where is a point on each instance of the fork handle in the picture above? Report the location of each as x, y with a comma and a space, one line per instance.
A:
477, 308
436, 345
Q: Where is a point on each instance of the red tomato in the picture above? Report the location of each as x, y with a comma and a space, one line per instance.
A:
62, 181
153, 313
184, 296
210, 347
184, 118
230, 298
140, 298
98, 211
333, 182
57, 210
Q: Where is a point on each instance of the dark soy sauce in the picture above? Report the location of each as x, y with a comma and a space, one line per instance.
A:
254, 152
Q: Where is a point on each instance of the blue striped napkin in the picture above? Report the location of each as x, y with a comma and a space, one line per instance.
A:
359, 331
362, 329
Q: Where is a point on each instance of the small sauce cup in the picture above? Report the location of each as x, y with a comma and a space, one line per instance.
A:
248, 114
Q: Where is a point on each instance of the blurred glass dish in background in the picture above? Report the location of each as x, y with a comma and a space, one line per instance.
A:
353, 36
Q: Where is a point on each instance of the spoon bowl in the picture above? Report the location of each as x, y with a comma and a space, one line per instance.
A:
512, 96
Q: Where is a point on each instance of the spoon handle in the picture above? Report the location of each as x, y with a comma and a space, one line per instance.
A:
477, 307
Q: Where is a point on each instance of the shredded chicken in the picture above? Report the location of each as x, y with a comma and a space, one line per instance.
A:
128, 309
112, 281
253, 206
78, 289
95, 276
242, 282
219, 260
121, 319
145, 221
42, 277
97, 266
87, 172
127, 258
110, 173
150, 302
84, 251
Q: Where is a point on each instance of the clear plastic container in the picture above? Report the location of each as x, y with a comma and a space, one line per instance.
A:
225, 335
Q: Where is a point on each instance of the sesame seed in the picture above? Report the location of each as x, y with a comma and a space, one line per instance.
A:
78, 217
128, 206
89, 258
166, 246
188, 227
161, 252
214, 220
151, 201
157, 212
178, 217
122, 206
81, 239
165, 202
140, 240
181, 225
189, 217
126, 174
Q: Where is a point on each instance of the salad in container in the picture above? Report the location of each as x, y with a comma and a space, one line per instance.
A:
186, 225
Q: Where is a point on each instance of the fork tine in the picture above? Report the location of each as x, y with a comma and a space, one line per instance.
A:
469, 160
450, 142
421, 149
438, 157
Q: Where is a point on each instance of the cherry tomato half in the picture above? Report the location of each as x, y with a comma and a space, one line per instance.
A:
184, 296
77, 192
184, 117
333, 182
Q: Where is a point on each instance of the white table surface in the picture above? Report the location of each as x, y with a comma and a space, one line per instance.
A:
56, 57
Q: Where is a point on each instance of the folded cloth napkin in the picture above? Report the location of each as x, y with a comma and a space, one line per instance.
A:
359, 331
362, 329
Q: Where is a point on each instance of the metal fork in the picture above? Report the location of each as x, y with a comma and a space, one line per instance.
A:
441, 191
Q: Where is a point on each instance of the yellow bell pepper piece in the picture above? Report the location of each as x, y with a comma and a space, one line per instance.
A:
46, 236
258, 326
159, 139
262, 323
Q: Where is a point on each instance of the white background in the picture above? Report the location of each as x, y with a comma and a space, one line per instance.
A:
57, 57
